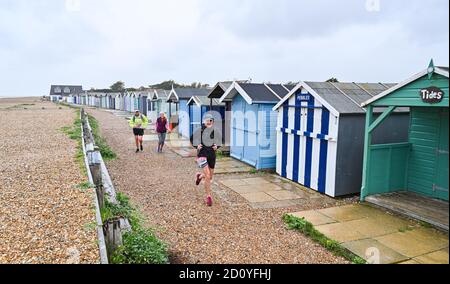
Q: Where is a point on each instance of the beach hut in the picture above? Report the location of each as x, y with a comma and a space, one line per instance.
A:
92, 99
83, 98
320, 134
143, 101
253, 122
111, 100
199, 107
135, 101
178, 108
216, 93
128, 102
417, 170
118, 102
103, 100
157, 103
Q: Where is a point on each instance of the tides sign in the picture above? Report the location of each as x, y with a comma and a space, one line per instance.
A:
432, 95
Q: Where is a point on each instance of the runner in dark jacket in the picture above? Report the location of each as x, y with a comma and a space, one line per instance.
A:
207, 140
162, 127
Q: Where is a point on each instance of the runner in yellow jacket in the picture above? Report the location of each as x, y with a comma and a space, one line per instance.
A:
139, 123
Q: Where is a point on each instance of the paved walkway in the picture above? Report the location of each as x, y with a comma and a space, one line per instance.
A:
232, 231
380, 237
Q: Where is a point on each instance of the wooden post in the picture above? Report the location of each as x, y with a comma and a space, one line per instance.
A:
83, 115
96, 172
113, 235
367, 144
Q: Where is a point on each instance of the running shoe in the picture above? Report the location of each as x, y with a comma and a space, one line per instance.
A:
137, 150
142, 148
209, 201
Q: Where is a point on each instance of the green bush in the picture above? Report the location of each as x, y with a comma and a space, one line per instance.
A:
141, 246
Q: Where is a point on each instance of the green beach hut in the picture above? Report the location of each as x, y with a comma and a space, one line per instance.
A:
411, 177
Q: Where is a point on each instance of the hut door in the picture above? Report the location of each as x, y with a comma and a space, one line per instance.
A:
441, 185
251, 144
237, 129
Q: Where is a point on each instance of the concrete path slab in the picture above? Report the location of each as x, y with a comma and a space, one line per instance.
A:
233, 182
411, 245
283, 195
398, 240
314, 217
410, 262
438, 257
269, 187
257, 181
258, 197
371, 228
270, 191
349, 212
243, 189
340, 232
231, 166
375, 252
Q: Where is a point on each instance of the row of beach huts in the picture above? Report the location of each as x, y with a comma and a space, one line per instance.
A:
335, 138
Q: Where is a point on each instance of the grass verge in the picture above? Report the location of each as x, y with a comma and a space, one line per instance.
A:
306, 228
140, 246
74, 133
107, 153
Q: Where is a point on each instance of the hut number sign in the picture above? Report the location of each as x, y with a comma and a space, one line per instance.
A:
304, 97
432, 95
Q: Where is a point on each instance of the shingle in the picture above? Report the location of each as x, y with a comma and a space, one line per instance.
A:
187, 93
334, 97
347, 98
259, 92
205, 101
279, 89
354, 92
290, 87
374, 88
162, 94
220, 89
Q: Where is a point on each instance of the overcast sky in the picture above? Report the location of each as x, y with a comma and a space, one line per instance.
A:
97, 42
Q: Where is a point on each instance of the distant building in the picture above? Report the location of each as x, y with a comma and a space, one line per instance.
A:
64, 92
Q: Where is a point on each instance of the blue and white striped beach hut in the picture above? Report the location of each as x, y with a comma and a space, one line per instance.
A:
320, 134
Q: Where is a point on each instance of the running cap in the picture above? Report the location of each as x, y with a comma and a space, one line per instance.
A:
208, 117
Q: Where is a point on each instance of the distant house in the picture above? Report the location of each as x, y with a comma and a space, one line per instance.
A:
64, 92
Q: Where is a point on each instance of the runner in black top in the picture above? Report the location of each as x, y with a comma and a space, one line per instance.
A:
207, 140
